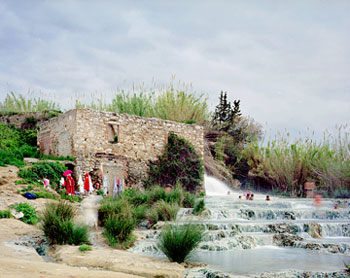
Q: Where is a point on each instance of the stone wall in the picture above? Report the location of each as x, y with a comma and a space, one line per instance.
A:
104, 138
55, 136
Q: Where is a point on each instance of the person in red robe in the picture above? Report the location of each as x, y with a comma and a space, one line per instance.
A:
87, 183
70, 185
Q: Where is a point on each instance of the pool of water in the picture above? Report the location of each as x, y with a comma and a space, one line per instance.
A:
271, 259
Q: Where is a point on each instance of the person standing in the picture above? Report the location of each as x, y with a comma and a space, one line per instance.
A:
120, 187
105, 185
81, 185
87, 183
115, 188
70, 185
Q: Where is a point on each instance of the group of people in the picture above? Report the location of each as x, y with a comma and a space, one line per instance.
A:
85, 186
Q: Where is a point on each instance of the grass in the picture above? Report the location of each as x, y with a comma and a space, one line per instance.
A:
58, 226
286, 166
84, 248
51, 170
178, 241
199, 207
19, 103
119, 228
176, 102
30, 216
5, 214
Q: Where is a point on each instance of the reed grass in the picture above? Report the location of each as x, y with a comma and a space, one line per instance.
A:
286, 166
20, 103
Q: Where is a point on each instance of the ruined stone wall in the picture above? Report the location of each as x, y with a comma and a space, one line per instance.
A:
139, 140
105, 138
55, 136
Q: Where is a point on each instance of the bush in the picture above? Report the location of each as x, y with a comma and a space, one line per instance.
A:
110, 207
5, 214
51, 170
84, 248
30, 216
189, 200
179, 163
119, 227
156, 193
199, 207
58, 226
176, 195
166, 211
178, 241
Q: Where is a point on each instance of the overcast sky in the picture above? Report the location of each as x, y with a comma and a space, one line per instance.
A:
288, 61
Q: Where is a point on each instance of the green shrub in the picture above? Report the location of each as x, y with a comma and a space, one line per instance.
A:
110, 207
100, 192
119, 227
51, 170
166, 211
44, 195
199, 207
178, 241
156, 193
189, 200
84, 248
176, 195
140, 213
179, 163
30, 216
58, 227
5, 214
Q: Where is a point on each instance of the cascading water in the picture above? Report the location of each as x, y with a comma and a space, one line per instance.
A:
215, 187
248, 237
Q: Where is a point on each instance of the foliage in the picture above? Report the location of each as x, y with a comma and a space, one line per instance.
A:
19, 103
178, 241
179, 163
199, 207
100, 192
71, 198
164, 211
287, 166
51, 170
175, 102
189, 200
58, 227
119, 227
5, 214
225, 114
84, 248
30, 216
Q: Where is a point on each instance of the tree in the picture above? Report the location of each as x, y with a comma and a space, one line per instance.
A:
225, 114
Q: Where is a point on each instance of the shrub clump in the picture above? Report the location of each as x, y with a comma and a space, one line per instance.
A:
5, 214
119, 228
30, 216
178, 241
84, 248
179, 163
58, 225
199, 207
51, 170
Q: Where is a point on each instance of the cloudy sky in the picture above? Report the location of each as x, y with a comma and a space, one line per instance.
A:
288, 61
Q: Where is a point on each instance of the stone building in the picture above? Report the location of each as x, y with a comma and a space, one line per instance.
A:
118, 145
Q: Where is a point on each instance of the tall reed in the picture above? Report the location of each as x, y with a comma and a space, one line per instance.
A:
287, 166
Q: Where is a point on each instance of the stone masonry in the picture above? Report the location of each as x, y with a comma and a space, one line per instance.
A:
118, 145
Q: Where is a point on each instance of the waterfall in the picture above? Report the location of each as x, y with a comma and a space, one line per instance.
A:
215, 187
